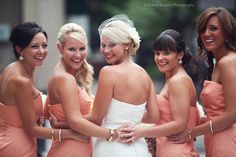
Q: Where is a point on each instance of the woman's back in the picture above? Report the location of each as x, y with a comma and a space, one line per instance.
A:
10, 76
131, 83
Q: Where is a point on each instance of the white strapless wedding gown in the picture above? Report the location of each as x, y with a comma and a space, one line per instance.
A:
118, 114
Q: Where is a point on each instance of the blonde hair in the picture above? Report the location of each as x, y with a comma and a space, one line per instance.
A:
84, 75
120, 29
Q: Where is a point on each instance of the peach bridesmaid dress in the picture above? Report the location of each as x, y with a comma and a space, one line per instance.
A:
221, 144
165, 148
14, 140
71, 147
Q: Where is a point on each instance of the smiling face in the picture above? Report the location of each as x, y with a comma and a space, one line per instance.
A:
213, 36
167, 61
113, 53
36, 51
73, 53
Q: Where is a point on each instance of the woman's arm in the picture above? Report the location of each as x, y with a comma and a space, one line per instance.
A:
226, 67
68, 94
24, 102
152, 115
103, 96
52, 118
179, 100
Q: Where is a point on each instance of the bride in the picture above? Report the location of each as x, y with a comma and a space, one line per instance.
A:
125, 92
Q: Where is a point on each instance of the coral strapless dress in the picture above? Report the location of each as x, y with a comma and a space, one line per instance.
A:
165, 148
221, 144
14, 140
118, 114
71, 147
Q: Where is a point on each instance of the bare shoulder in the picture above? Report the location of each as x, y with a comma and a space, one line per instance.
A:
62, 77
140, 70
15, 87
179, 81
109, 71
227, 66
19, 82
62, 82
144, 73
138, 67
13, 83
228, 61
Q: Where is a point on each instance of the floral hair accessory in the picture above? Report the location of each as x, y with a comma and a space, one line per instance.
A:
121, 23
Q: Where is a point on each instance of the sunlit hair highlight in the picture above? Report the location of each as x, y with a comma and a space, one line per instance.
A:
120, 29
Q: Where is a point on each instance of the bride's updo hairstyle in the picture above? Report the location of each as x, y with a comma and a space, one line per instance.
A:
120, 29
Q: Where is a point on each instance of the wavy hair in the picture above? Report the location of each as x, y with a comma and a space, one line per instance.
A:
84, 75
228, 23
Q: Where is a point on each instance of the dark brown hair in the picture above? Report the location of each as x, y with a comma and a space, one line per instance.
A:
171, 40
229, 28
22, 35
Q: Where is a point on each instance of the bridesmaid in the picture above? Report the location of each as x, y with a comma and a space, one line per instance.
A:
21, 109
216, 29
176, 101
217, 40
68, 94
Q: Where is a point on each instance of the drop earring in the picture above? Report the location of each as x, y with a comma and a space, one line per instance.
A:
180, 61
21, 58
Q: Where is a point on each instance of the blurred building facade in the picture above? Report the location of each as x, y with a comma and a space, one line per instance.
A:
47, 13
52, 14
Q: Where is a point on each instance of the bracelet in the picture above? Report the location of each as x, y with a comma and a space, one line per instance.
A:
118, 135
211, 128
112, 132
52, 134
189, 135
59, 135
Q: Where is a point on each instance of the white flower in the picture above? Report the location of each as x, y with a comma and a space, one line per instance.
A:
134, 35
